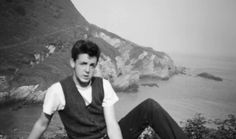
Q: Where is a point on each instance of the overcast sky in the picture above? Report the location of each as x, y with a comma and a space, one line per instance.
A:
205, 27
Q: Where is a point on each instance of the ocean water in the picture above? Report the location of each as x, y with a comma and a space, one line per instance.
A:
224, 67
185, 95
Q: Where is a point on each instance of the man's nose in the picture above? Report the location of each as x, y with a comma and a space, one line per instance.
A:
87, 68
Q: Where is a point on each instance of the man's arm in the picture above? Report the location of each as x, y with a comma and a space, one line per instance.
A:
40, 126
113, 129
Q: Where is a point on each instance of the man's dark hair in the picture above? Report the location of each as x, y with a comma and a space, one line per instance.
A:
85, 47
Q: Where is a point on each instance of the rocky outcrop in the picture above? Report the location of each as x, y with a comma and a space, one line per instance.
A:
209, 76
36, 39
130, 59
127, 82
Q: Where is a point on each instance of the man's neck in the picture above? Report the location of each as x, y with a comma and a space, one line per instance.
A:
80, 83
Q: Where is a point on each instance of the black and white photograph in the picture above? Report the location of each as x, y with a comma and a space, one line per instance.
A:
117, 69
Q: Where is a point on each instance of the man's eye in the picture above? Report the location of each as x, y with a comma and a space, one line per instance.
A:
93, 66
83, 63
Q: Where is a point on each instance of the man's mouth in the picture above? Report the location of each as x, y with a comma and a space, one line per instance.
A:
86, 77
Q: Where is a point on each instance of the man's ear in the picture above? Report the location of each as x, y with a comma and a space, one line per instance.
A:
72, 63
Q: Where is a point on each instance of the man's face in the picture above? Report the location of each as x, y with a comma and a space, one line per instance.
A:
84, 68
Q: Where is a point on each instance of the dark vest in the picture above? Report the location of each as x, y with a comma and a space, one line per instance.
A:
81, 121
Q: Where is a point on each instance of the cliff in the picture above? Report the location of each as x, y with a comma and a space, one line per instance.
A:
35, 42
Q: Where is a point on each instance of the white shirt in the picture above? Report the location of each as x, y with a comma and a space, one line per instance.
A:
55, 100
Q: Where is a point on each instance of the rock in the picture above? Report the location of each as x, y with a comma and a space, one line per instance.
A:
112, 41
51, 49
150, 84
209, 76
181, 70
127, 82
26, 93
22, 92
36, 97
37, 58
106, 68
132, 57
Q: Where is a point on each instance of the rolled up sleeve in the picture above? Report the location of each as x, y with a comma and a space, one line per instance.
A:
54, 99
110, 96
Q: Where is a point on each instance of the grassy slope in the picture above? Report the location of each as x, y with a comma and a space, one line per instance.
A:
26, 27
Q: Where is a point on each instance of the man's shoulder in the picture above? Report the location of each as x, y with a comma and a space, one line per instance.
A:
55, 86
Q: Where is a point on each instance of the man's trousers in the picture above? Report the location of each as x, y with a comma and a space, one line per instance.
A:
150, 113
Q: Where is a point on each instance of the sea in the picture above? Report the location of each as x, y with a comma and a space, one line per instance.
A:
182, 96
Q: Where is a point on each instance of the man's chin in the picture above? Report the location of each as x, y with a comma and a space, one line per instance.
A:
84, 82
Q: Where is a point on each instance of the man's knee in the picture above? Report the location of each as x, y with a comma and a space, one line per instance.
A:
151, 104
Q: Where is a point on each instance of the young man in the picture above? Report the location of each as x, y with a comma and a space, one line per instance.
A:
86, 105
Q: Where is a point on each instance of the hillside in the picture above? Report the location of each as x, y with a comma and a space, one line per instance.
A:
36, 37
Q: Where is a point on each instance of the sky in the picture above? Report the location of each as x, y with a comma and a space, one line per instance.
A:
201, 27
